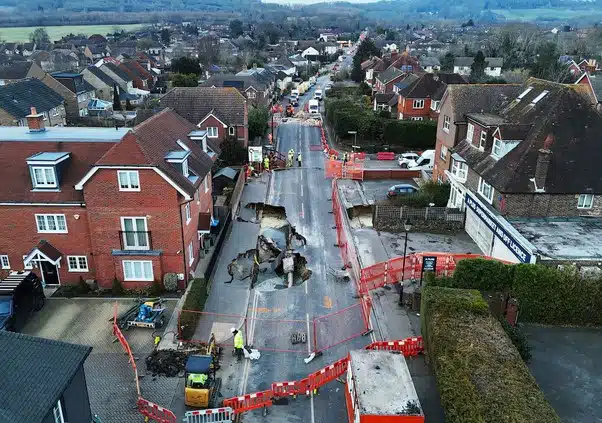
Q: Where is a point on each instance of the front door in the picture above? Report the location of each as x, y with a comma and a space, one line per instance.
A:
49, 272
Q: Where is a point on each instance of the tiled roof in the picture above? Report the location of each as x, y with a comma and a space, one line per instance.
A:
35, 372
427, 85
195, 103
18, 98
101, 75
467, 98
149, 142
225, 80
493, 62
429, 61
117, 71
137, 69
17, 70
597, 87
389, 75
384, 98
561, 121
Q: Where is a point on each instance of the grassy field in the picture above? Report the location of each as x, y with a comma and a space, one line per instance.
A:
21, 34
545, 14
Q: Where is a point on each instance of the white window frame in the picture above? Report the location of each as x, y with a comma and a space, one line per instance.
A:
582, 202
446, 123
482, 140
57, 413
4, 261
483, 188
206, 183
190, 253
124, 235
45, 218
27, 266
459, 170
81, 264
443, 153
251, 94
417, 118
142, 277
434, 105
231, 131
54, 111
212, 132
188, 213
185, 171
418, 104
131, 186
497, 145
44, 182
470, 132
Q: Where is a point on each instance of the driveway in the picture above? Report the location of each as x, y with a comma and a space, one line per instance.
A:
567, 364
109, 376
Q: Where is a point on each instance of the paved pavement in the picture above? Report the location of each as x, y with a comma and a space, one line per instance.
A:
109, 376
567, 365
362, 193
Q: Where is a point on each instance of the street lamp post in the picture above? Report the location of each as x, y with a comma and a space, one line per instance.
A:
407, 226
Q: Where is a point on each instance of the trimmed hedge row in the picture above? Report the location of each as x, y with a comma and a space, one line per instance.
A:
480, 375
546, 295
195, 301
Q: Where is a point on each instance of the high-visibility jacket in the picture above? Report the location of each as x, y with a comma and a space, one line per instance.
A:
238, 340
196, 378
266, 163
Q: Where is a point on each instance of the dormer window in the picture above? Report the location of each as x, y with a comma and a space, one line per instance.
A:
45, 169
43, 177
185, 167
179, 160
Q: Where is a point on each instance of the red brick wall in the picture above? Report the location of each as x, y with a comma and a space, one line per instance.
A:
20, 236
445, 137
213, 122
406, 106
157, 201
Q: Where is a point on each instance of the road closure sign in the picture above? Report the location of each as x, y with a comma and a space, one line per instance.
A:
429, 263
255, 154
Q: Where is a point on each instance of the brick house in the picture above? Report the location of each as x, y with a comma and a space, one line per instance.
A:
222, 112
457, 101
372, 67
20, 70
385, 80
16, 100
420, 100
76, 91
101, 203
534, 157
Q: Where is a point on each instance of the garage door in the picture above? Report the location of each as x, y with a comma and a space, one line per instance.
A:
479, 232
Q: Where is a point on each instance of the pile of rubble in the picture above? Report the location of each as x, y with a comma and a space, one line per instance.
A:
168, 363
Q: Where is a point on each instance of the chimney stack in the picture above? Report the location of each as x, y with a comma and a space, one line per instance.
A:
35, 121
541, 169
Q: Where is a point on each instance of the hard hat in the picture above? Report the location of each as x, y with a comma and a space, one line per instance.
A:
232, 330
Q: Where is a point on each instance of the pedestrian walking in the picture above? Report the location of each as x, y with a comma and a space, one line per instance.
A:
299, 159
344, 159
291, 158
239, 343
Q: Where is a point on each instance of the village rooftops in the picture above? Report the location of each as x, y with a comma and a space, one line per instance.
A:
62, 134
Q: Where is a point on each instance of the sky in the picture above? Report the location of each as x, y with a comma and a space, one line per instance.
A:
315, 1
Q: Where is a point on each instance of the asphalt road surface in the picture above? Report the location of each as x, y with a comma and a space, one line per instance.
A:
305, 194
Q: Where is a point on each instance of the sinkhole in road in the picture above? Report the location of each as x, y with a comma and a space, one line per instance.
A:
276, 263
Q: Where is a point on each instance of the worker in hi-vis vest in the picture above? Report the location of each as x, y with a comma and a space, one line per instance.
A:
239, 342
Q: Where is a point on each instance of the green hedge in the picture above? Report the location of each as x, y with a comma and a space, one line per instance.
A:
195, 301
545, 295
414, 135
480, 375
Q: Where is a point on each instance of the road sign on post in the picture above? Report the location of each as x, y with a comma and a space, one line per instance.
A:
429, 264
255, 154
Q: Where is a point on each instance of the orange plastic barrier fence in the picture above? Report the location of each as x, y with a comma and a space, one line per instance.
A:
250, 402
155, 412
385, 155
408, 347
328, 374
284, 389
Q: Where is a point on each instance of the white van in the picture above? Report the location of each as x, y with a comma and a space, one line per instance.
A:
318, 94
295, 93
314, 107
426, 161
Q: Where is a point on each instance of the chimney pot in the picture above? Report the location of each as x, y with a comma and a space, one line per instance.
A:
35, 121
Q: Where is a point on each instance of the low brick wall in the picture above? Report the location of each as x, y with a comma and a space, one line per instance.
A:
427, 219
371, 174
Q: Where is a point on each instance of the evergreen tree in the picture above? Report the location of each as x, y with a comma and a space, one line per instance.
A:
116, 101
477, 69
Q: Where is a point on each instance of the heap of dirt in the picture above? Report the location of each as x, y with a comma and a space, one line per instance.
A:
168, 363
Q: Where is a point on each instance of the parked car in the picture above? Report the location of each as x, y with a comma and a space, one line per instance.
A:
426, 161
20, 294
405, 158
401, 189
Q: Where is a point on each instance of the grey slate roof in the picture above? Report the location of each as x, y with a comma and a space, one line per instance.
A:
35, 372
430, 85
101, 75
195, 103
384, 98
231, 80
17, 70
468, 98
493, 62
18, 98
597, 86
118, 71
429, 61
389, 75
563, 122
